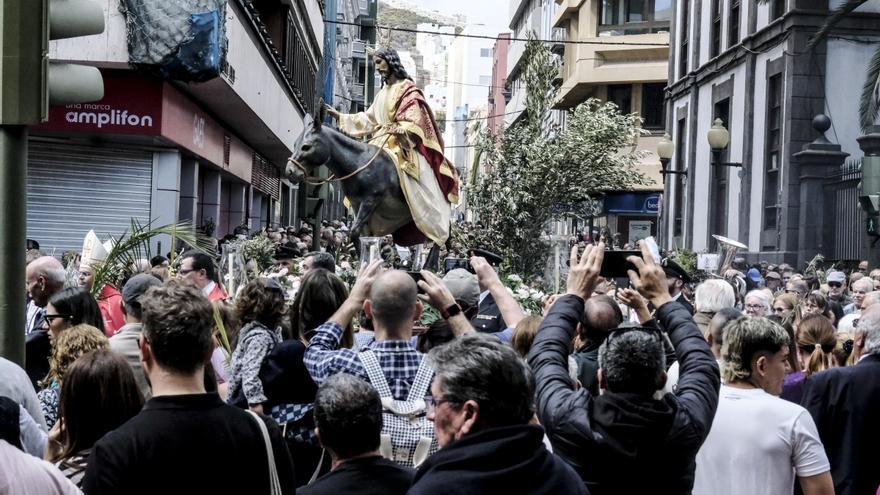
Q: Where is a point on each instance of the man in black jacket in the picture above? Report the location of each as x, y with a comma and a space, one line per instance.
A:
845, 404
482, 404
348, 420
625, 441
176, 443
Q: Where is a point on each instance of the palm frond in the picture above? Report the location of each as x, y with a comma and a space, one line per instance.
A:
869, 106
134, 244
833, 20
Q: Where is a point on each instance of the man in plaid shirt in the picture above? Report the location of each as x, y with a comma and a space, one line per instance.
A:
390, 299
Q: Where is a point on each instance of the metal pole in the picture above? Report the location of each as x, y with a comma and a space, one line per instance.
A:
13, 219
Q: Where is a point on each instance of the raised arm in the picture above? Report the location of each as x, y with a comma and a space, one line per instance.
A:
440, 298
323, 348
510, 310
699, 378
548, 357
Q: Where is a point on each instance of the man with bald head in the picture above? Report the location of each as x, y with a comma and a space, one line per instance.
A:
43, 277
391, 299
601, 316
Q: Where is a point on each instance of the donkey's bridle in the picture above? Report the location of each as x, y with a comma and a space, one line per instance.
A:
317, 181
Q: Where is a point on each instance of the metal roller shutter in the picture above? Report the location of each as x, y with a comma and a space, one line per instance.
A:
71, 189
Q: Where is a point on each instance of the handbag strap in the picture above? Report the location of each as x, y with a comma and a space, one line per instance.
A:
274, 483
374, 372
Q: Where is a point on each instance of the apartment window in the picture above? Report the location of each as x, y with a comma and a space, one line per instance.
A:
733, 23
718, 194
621, 95
485, 52
679, 184
777, 9
772, 147
623, 17
715, 46
653, 105
485, 80
684, 47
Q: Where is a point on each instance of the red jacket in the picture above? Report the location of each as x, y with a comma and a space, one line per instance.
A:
110, 304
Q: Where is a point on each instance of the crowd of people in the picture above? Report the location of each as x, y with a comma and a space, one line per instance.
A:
761, 381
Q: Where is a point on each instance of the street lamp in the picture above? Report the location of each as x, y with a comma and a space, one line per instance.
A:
719, 138
665, 150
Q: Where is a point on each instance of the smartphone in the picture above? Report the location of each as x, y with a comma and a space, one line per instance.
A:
416, 276
450, 264
615, 265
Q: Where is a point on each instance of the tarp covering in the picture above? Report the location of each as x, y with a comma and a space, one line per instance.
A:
176, 39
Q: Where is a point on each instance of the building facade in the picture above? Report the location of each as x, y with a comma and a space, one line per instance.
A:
528, 18
161, 149
498, 92
469, 72
748, 65
617, 51
345, 55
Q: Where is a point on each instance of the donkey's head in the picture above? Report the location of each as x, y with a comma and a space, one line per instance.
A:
311, 150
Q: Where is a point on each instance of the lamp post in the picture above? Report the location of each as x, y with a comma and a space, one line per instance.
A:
719, 138
665, 150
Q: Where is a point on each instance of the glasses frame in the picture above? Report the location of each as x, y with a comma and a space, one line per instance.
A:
47, 318
432, 403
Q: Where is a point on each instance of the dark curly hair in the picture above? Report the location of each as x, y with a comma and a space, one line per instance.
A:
260, 303
394, 64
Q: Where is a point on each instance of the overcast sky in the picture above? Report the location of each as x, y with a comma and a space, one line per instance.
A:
492, 13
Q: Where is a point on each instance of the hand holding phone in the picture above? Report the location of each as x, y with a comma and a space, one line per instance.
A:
615, 264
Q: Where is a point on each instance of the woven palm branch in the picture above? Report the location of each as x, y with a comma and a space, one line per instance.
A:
134, 244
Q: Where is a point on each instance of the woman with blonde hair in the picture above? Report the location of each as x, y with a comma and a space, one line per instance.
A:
816, 341
783, 306
66, 348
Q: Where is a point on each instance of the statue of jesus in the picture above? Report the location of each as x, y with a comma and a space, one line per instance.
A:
401, 122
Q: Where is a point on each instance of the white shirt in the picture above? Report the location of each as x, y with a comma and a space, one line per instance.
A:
758, 444
24, 474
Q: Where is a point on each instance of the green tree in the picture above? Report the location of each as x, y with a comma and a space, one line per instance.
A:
533, 168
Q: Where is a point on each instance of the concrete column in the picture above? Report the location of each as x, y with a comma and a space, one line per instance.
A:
209, 199
816, 159
256, 221
165, 201
237, 205
189, 190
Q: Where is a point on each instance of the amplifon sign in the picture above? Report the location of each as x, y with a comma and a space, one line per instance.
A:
103, 115
131, 105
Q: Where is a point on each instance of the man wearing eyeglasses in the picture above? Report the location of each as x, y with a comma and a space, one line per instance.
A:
624, 440
198, 268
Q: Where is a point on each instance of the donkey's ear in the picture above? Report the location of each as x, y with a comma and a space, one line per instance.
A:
316, 122
322, 110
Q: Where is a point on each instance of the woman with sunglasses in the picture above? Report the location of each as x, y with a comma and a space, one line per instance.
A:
71, 307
